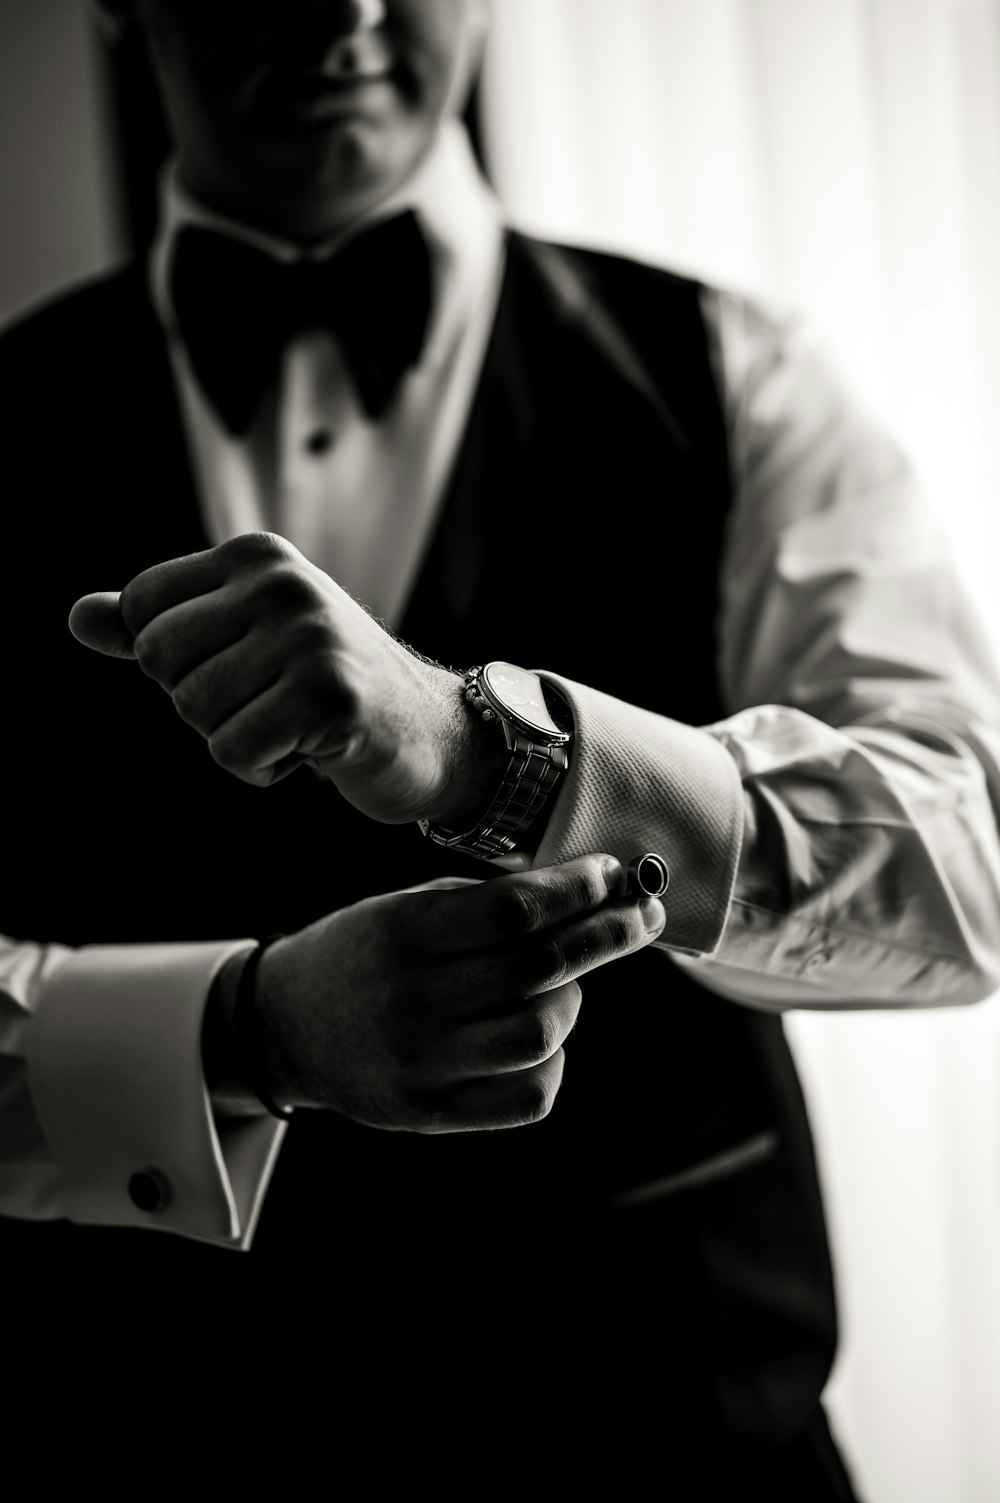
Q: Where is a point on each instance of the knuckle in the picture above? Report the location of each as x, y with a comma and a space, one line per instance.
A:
572, 996
130, 604
430, 1117
531, 1043
284, 589
231, 757
542, 1037
253, 547
258, 777
540, 1089
407, 1048
502, 1052
589, 888
520, 907
549, 963
621, 929
309, 641
311, 667
188, 700
399, 923
419, 1106
149, 653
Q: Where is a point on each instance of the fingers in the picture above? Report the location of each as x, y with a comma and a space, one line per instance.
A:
410, 1037
622, 927
514, 1100
177, 580
258, 743
96, 621
528, 931
518, 1037
504, 1071
169, 584
234, 681
187, 638
560, 955
518, 905
250, 661
281, 721
109, 621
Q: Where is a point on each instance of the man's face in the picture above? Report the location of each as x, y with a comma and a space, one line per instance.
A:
298, 115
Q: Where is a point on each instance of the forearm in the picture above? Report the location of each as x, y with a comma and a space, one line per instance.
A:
871, 868
833, 867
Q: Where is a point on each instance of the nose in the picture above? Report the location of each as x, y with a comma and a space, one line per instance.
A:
370, 13
319, 29
345, 17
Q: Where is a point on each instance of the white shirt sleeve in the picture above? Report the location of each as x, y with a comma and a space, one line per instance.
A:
104, 1114
833, 842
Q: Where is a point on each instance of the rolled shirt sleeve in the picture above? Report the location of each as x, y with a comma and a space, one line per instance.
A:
833, 840
105, 1118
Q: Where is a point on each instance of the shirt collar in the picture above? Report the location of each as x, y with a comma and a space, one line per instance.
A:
457, 210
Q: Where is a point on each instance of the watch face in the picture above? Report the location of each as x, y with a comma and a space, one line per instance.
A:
520, 693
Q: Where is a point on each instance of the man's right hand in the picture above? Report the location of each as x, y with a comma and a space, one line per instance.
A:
444, 1008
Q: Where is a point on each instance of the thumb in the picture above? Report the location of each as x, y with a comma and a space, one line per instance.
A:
96, 621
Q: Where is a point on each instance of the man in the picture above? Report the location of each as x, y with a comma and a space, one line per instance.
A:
643, 505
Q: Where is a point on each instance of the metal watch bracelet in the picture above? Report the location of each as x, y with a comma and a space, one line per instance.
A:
531, 774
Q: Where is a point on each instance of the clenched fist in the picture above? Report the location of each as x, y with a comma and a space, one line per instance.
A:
276, 665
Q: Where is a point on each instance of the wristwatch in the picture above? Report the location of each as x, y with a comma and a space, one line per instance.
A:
536, 724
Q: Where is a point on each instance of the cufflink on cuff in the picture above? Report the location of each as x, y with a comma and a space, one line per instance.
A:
649, 874
149, 1190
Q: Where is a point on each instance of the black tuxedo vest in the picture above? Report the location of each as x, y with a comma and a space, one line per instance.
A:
582, 532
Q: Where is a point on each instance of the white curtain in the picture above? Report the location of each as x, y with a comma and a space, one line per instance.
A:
844, 156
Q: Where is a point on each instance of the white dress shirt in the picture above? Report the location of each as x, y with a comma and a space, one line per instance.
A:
312, 450
832, 841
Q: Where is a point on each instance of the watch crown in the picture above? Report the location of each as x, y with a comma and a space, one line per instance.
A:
488, 715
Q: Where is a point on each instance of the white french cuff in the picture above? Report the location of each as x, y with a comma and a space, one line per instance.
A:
116, 1075
643, 782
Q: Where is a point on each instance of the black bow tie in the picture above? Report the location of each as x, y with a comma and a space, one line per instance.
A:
237, 308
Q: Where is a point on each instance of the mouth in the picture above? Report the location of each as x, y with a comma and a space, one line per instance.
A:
290, 98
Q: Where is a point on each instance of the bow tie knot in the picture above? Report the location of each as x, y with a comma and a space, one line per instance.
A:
237, 308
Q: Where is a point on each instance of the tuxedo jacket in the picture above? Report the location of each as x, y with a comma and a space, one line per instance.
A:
582, 531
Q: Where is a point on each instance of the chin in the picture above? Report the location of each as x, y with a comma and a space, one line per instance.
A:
337, 174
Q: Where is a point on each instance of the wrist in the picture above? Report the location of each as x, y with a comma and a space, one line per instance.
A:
528, 731
474, 767
274, 1024
256, 1042
246, 1067
225, 1080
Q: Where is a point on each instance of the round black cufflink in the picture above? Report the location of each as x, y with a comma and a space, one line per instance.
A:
648, 874
149, 1190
